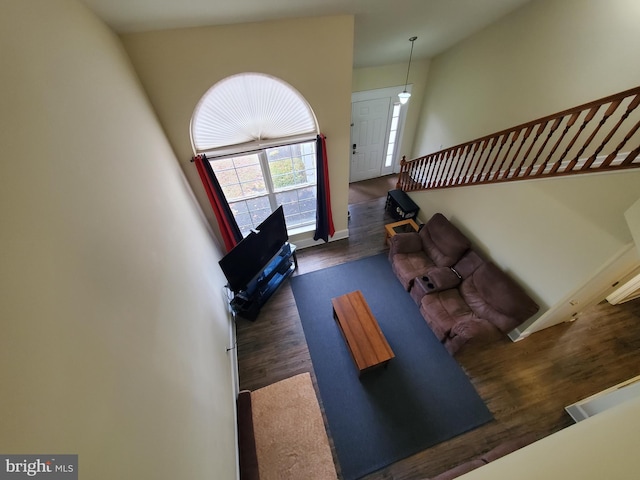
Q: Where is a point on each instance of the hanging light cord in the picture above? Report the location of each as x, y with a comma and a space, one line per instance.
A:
412, 39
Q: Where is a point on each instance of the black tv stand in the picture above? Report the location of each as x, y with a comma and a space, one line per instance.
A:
247, 302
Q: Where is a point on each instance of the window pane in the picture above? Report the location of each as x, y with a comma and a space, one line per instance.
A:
293, 176
308, 148
225, 171
245, 160
231, 192
299, 206
242, 216
226, 176
240, 177
390, 149
292, 165
286, 198
250, 176
393, 134
260, 209
250, 213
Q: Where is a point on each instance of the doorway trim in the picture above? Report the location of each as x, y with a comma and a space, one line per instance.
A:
618, 270
392, 94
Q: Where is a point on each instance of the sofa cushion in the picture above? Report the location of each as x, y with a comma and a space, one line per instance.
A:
443, 310
492, 295
442, 241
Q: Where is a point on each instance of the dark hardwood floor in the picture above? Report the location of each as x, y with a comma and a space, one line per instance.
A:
525, 384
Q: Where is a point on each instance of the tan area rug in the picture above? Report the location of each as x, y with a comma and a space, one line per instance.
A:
291, 440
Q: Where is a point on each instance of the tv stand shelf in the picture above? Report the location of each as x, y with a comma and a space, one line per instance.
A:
247, 303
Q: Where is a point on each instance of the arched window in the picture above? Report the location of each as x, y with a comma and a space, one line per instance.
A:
259, 135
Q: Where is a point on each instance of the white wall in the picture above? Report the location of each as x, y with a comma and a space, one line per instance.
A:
113, 323
545, 57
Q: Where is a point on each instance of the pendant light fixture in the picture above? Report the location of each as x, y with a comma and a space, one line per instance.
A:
404, 96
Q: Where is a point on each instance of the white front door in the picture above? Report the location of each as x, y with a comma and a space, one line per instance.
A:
369, 138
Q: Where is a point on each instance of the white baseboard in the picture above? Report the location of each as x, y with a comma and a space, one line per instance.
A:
305, 242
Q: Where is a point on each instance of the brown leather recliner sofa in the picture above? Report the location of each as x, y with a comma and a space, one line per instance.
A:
463, 297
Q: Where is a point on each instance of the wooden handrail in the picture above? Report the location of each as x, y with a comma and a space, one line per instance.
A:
585, 139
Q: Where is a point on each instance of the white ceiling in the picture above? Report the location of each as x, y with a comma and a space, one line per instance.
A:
382, 27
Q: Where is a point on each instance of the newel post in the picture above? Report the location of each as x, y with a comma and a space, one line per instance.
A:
403, 169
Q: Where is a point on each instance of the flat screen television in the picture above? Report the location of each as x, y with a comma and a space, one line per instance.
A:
254, 252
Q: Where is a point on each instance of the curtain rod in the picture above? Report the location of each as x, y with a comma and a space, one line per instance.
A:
253, 150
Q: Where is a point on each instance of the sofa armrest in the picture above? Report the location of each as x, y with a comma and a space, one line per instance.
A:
465, 331
476, 328
438, 279
409, 242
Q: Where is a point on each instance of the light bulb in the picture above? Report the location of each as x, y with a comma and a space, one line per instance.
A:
404, 97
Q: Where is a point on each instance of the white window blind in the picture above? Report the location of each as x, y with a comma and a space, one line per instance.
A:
250, 111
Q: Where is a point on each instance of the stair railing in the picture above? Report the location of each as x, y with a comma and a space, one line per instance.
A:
599, 136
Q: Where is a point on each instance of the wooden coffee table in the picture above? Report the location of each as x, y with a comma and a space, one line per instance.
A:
361, 331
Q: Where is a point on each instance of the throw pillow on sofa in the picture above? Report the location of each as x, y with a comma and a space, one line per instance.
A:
442, 241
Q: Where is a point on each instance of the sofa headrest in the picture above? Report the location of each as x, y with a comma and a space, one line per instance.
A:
442, 241
498, 292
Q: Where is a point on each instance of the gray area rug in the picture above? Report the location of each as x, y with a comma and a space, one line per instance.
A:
422, 398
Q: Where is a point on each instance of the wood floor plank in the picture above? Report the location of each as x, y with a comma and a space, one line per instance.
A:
526, 384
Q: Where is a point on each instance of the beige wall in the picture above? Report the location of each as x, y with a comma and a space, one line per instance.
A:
372, 78
314, 55
603, 446
543, 58
632, 216
113, 322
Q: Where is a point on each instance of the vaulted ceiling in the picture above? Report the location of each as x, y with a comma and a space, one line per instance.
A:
382, 27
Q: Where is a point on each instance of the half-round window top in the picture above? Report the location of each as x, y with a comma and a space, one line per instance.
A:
250, 111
